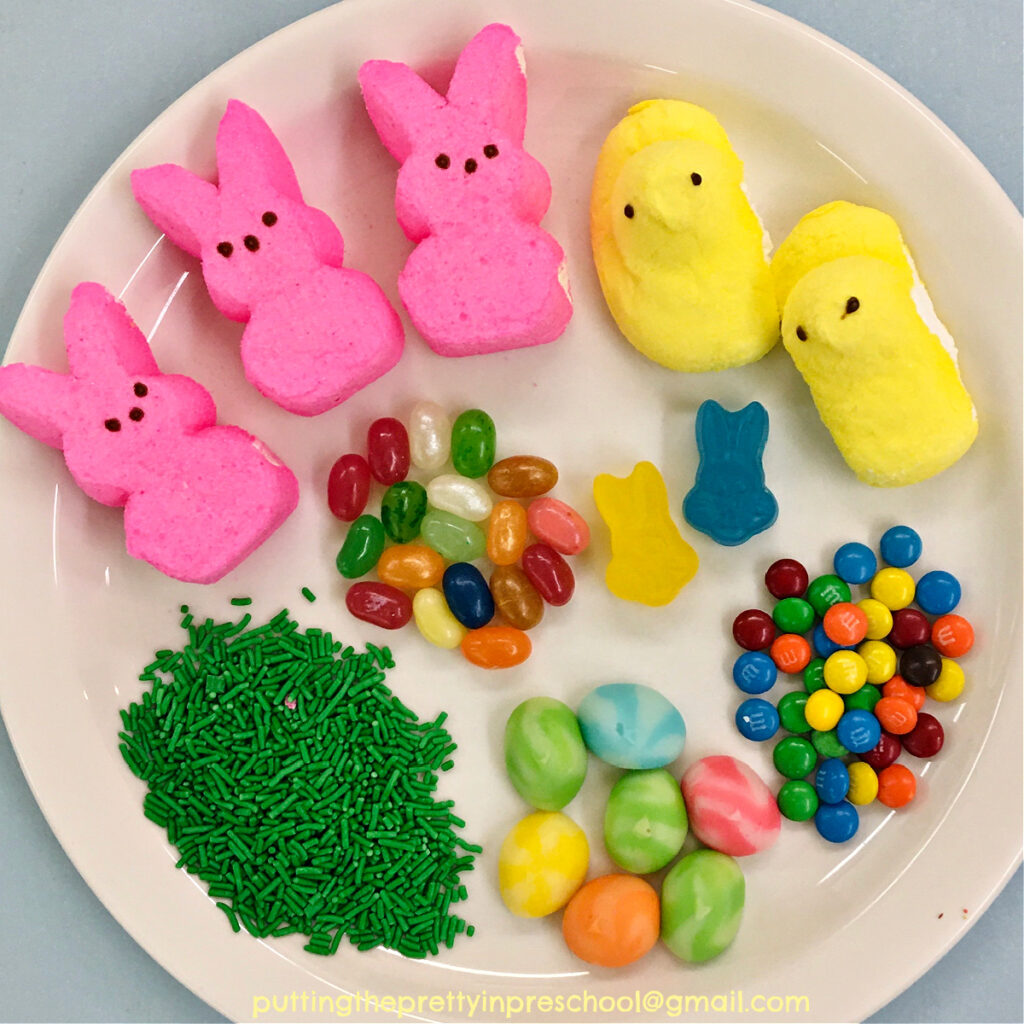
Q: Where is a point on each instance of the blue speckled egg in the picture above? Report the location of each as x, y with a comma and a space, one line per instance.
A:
631, 726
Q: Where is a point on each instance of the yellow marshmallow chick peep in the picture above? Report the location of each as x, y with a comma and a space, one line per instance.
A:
884, 380
678, 248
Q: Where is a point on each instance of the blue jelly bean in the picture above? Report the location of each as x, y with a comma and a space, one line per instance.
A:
938, 592
832, 781
467, 594
757, 719
837, 822
859, 731
855, 563
754, 672
823, 646
900, 546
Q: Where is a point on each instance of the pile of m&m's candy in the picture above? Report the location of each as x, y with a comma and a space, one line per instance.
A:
440, 528
868, 668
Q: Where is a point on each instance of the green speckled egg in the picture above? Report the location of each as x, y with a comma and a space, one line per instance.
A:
544, 753
701, 905
645, 821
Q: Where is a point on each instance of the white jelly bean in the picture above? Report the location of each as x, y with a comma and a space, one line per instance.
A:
430, 435
460, 496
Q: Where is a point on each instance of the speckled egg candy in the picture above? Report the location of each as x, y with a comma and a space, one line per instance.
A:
730, 807
542, 862
645, 821
631, 726
544, 753
702, 905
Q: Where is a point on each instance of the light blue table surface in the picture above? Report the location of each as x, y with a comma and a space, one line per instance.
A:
79, 79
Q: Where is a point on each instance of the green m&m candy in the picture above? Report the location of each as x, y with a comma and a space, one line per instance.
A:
826, 591
545, 756
402, 510
473, 443
793, 615
797, 800
453, 537
864, 699
645, 821
794, 757
701, 905
814, 675
791, 711
827, 743
362, 548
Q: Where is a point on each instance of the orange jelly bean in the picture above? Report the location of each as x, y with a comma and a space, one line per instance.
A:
899, 687
896, 715
522, 476
612, 921
410, 566
515, 597
559, 525
897, 785
496, 646
506, 533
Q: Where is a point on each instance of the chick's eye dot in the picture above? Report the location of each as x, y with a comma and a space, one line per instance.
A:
696, 178
852, 304
136, 414
225, 249
801, 333
490, 151
443, 161
141, 390
112, 425
629, 211
270, 218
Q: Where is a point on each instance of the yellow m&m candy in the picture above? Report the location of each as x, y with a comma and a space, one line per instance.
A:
542, 862
950, 683
879, 618
894, 588
863, 783
845, 672
880, 660
823, 709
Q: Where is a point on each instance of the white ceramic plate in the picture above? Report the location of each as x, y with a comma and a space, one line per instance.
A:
847, 927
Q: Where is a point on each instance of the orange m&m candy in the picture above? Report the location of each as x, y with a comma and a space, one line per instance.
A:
790, 652
612, 921
896, 715
899, 687
845, 624
952, 635
896, 785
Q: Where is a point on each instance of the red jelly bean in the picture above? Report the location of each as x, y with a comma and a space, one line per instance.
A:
550, 574
753, 629
909, 628
348, 487
883, 753
926, 738
379, 604
786, 578
387, 443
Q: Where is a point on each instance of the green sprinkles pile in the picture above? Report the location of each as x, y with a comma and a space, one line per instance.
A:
299, 788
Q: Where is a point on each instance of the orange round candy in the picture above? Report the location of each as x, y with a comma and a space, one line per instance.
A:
612, 921
899, 687
410, 566
790, 652
952, 635
496, 646
896, 785
845, 624
896, 715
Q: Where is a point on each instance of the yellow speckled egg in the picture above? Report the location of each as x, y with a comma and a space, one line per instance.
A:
542, 862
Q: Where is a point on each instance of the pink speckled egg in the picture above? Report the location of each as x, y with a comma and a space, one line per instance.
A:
730, 807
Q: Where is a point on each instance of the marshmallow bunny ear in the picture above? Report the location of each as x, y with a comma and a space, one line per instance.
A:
102, 340
399, 102
247, 149
490, 80
36, 401
182, 205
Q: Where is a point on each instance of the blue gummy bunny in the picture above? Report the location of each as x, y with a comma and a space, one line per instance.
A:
729, 500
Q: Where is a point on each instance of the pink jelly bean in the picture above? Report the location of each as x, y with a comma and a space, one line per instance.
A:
730, 807
387, 444
550, 574
348, 487
559, 525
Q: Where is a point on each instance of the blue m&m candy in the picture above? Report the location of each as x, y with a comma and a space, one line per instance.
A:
855, 563
837, 822
757, 719
938, 592
859, 731
754, 672
900, 546
832, 781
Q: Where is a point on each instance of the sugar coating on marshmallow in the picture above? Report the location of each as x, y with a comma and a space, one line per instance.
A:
484, 276
316, 332
198, 498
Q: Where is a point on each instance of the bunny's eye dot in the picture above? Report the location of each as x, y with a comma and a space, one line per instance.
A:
852, 304
112, 425
225, 249
629, 211
443, 161
490, 151
136, 414
696, 178
470, 165
252, 243
269, 218
801, 333
141, 390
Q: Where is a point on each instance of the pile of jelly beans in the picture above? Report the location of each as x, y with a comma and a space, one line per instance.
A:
867, 671
439, 529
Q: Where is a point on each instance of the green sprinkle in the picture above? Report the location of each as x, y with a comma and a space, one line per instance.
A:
308, 594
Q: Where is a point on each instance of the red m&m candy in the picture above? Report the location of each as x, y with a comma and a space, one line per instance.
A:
909, 628
883, 753
926, 738
753, 629
786, 578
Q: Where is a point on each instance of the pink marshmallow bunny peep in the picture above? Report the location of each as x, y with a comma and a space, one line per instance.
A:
197, 498
483, 277
315, 332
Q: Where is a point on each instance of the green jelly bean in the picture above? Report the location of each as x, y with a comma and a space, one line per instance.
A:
453, 537
827, 743
701, 905
793, 615
545, 755
402, 510
794, 757
797, 800
864, 699
645, 821
473, 443
826, 591
791, 711
814, 675
362, 549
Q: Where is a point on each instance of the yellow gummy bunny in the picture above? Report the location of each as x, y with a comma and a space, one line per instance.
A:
678, 248
650, 562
